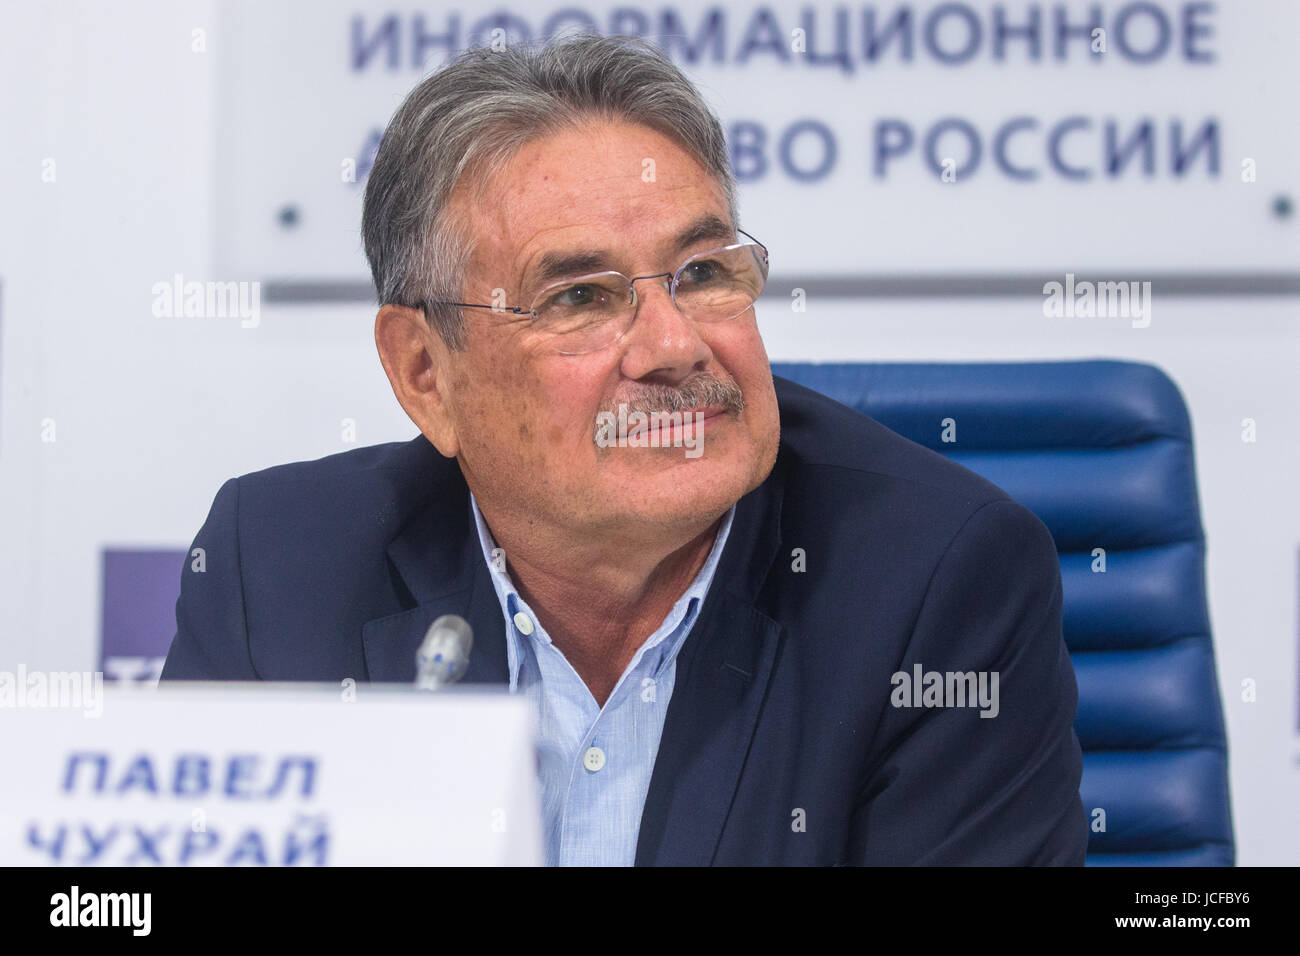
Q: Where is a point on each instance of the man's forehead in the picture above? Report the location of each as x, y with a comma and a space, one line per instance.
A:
544, 208
617, 174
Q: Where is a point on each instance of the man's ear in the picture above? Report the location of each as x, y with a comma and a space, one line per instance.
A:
418, 365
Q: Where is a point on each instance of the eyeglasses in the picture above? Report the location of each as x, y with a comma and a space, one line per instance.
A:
593, 311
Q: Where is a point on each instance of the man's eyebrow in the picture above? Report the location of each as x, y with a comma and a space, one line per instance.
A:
706, 227
562, 265
554, 266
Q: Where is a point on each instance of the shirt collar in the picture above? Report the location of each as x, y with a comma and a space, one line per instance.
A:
678, 622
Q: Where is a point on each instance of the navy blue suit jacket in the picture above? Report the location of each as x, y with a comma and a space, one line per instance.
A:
781, 744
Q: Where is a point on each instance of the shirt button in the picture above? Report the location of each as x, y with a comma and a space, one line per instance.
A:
593, 759
524, 623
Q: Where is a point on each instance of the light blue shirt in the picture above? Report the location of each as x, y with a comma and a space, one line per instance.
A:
595, 762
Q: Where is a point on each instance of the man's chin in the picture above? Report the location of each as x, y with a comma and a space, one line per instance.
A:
676, 494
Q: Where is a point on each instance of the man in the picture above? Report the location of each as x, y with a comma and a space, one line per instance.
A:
715, 614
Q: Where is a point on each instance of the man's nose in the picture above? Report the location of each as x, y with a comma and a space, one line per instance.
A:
661, 338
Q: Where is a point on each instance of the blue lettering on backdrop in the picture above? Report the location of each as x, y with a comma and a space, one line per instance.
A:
1070, 147
850, 38
826, 148
952, 34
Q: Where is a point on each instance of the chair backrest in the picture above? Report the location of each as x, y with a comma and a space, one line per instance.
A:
1101, 451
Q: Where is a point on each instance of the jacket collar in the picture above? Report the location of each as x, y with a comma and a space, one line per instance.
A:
436, 559
723, 668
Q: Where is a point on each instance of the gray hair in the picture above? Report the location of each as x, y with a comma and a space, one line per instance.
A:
473, 116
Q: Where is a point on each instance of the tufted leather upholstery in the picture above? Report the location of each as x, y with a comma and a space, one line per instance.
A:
1101, 451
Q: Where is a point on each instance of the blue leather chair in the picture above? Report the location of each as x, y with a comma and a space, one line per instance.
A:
1101, 451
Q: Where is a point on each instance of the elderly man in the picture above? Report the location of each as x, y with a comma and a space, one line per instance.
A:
734, 602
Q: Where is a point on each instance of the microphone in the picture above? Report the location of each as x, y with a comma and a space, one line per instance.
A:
443, 657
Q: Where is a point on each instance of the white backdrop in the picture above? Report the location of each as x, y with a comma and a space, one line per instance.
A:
171, 161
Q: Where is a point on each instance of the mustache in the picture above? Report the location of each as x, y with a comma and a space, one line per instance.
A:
701, 390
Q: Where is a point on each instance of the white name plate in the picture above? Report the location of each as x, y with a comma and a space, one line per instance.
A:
200, 774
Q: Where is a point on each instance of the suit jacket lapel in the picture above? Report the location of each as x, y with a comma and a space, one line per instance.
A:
391, 642
437, 558
722, 675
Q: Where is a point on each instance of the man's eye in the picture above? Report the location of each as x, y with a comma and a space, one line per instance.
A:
576, 297
704, 271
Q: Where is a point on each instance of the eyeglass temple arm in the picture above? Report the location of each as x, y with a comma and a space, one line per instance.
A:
423, 306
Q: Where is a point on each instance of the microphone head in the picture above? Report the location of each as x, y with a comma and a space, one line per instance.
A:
443, 656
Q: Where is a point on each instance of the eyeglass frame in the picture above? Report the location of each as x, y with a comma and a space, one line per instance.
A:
635, 303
